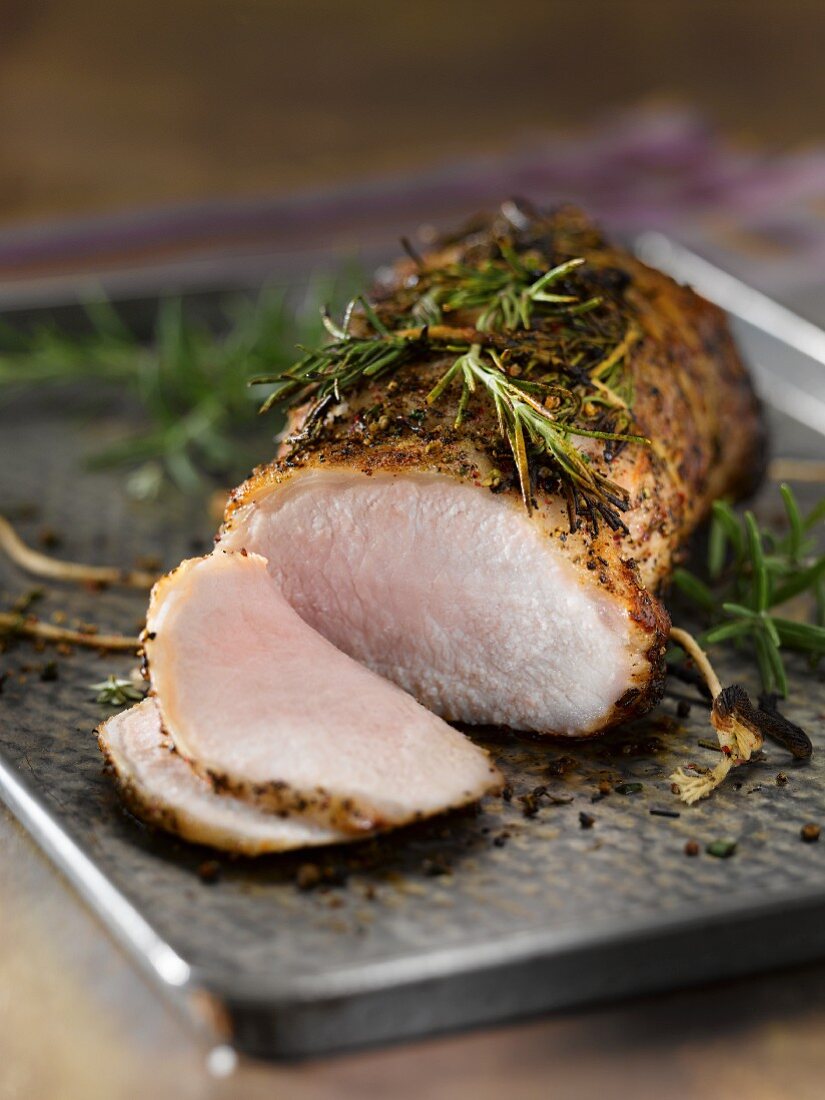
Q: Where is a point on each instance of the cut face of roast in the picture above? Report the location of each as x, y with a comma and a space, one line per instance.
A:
271, 711
163, 790
452, 592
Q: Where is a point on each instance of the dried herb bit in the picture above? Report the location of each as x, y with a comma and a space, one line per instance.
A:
587, 821
781, 730
114, 692
209, 871
49, 672
629, 788
49, 538
530, 803
657, 812
561, 766
692, 848
25, 602
735, 719
308, 876
722, 849
810, 832
752, 570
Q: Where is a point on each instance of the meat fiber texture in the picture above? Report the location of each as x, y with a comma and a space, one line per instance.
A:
405, 540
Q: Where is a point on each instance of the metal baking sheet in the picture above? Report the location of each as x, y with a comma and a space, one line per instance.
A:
473, 918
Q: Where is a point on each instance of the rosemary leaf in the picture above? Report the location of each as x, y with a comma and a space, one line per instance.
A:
800, 582
795, 520
694, 589
736, 629
761, 579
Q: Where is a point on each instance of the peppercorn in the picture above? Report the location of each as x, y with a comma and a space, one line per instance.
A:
209, 871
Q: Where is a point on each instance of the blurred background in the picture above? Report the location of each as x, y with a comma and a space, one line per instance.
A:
211, 143
107, 104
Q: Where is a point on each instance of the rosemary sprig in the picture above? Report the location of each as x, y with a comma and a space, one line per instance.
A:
751, 572
524, 421
550, 373
506, 294
189, 380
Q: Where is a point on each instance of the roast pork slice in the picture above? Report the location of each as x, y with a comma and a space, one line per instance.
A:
269, 710
162, 789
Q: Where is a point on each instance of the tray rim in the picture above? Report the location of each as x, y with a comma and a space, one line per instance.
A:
170, 969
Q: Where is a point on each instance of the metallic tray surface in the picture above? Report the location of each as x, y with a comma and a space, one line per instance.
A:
471, 918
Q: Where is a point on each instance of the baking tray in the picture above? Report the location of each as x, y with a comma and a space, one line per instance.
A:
473, 918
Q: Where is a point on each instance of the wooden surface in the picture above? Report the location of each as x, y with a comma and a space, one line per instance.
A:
104, 105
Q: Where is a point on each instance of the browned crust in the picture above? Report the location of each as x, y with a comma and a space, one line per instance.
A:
159, 816
148, 810
353, 816
280, 799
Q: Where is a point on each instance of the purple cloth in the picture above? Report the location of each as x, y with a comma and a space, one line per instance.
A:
760, 216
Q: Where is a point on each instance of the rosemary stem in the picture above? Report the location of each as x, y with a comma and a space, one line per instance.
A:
41, 565
31, 628
698, 656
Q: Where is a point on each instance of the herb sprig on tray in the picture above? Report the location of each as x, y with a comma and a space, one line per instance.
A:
754, 571
549, 356
189, 379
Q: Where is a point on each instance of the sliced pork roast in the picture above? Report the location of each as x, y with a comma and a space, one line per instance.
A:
265, 708
397, 528
160, 787
493, 468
